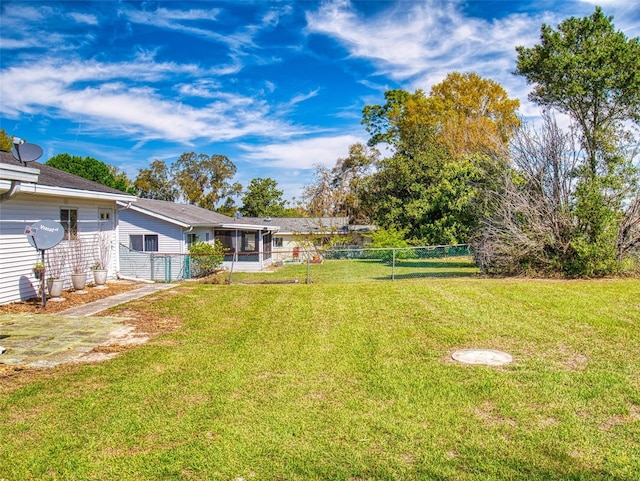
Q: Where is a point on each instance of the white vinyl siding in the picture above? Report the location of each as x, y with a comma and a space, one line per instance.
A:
170, 236
17, 256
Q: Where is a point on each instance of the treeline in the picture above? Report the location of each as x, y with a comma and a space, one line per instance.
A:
534, 200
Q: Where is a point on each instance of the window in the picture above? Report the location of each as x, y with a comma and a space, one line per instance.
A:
277, 241
192, 239
151, 243
144, 243
206, 238
69, 221
104, 214
249, 242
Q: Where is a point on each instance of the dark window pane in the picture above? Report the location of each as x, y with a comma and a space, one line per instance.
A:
135, 242
151, 243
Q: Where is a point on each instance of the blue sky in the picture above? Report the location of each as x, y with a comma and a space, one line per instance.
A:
277, 86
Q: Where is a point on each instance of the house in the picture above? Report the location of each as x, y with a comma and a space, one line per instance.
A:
34, 192
156, 235
300, 236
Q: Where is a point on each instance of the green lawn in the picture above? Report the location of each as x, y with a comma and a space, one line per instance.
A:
348, 381
364, 270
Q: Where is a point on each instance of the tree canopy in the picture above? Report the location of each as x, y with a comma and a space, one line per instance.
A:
448, 150
466, 113
204, 180
263, 199
155, 182
572, 202
91, 169
6, 142
589, 71
335, 191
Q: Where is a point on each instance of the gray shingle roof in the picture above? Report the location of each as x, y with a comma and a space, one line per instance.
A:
53, 177
302, 224
185, 213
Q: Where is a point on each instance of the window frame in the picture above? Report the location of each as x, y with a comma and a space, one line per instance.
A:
69, 222
144, 241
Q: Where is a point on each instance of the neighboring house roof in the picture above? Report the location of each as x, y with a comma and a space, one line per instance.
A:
52, 181
184, 215
187, 215
298, 225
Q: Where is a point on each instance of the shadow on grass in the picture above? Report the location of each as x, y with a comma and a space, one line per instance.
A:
424, 275
440, 264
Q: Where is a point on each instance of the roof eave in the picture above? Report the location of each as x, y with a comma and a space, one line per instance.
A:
249, 227
30, 188
156, 215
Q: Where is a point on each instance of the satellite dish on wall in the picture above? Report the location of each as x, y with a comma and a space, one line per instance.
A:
26, 152
44, 234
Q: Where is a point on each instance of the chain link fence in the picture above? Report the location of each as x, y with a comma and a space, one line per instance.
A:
311, 264
358, 264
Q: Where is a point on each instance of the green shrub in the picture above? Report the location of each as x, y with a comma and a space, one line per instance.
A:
205, 258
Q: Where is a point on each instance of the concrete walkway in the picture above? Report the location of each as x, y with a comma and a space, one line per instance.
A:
100, 305
45, 340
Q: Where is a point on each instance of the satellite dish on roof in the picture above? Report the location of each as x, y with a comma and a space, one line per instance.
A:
26, 152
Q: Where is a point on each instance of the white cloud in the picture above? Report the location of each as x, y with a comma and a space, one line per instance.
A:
418, 43
109, 97
422, 42
296, 99
301, 154
84, 18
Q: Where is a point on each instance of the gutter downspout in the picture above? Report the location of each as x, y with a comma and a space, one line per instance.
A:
13, 190
133, 279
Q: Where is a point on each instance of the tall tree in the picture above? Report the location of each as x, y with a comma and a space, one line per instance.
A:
319, 196
589, 71
121, 181
474, 114
155, 182
91, 169
263, 199
423, 191
6, 141
448, 150
467, 113
335, 191
204, 179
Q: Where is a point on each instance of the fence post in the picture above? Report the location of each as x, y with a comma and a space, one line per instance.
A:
308, 270
393, 264
187, 267
151, 263
167, 269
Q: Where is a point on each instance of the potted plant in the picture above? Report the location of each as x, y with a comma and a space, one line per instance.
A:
102, 255
38, 270
56, 259
78, 262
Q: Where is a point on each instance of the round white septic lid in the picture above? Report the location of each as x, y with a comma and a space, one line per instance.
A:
488, 357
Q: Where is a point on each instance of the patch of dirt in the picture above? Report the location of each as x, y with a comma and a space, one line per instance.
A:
71, 299
634, 415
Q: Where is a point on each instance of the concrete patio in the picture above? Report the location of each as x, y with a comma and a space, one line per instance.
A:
44, 340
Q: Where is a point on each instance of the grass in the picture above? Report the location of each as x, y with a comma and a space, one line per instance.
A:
365, 270
348, 382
